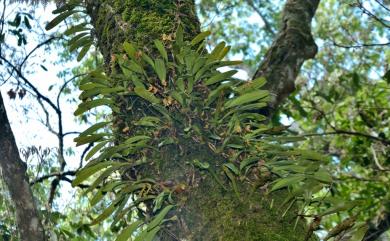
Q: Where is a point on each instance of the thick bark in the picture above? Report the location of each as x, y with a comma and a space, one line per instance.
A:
205, 210
374, 232
14, 174
293, 45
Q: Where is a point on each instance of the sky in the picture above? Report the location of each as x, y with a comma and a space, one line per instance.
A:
26, 116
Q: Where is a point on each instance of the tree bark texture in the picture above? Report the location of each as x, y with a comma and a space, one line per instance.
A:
14, 173
206, 211
293, 45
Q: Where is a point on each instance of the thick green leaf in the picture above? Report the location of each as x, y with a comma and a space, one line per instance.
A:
247, 162
359, 232
232, 168
148, 60
200, 37
86, 40
83, 52
251, 85
159, 217
99, 91
151, 234
201, 165
227, 63
91, 85
126, 233
134, 139
94, 128
85, 106
130, 49
177, 96
286, 181
95, 149
220, 77
102, 177
78, 37
160, 46
246, 98
132, 66
88, 171
142, 92
81, 140
105, 214
161, 71
151, 121
214, 55
77, 28
57, 20
214, 94
323, 176
179, 35
65, 7
96, 198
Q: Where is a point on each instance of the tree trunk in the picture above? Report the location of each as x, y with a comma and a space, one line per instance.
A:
14, 173
206, 211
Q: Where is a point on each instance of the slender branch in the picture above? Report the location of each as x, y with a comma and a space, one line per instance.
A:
372, 15
352, 133
360, 45
383, 5
47, 41
267, 25
29, 84
71, 133
80, 185
380, 167
90, 145
47, 124
56, 174
64, 86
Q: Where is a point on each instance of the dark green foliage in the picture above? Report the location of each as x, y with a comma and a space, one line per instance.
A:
177, 100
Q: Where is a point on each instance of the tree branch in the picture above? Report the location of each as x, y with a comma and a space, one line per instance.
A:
352, 133
360, 45
293, 45
267, 25
56, 174
374, 232
14, 172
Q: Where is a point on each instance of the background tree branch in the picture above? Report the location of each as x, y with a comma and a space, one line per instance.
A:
14, 173
293, 45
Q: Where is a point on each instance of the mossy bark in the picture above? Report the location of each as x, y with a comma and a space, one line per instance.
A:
206, 209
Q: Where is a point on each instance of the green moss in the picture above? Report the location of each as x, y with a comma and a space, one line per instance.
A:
206, 211
141, 22
226, 218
